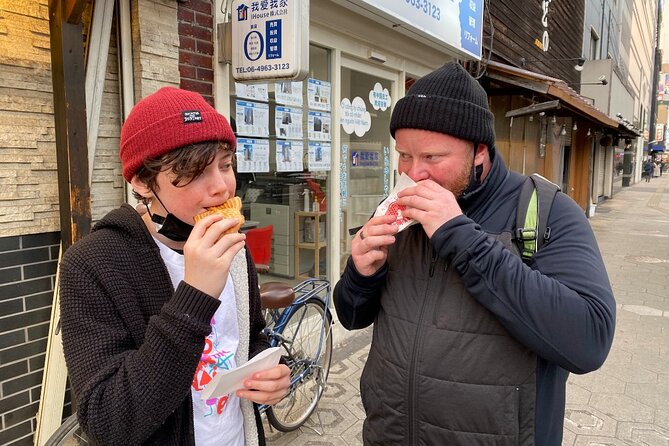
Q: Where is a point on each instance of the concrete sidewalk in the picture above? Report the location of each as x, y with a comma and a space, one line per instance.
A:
626, 402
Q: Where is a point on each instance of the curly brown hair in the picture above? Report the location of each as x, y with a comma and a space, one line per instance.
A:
185, 163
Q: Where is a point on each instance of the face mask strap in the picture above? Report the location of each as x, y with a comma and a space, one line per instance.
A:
475, 174
171, 227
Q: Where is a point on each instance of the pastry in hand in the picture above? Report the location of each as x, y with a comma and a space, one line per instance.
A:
230, 209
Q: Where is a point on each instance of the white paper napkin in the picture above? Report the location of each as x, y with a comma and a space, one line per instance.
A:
228, 381
389, 205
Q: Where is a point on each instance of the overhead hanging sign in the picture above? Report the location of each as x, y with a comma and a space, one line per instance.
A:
458, 24
270, 39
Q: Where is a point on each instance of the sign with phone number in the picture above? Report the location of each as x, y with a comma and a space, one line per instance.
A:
270, 40
261, 68
458, 24
430, 9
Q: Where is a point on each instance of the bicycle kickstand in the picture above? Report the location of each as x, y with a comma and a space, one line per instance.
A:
320, 422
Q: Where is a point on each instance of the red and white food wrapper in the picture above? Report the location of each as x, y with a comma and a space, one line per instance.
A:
390, 206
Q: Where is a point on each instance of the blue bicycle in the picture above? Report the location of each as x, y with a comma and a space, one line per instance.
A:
299, 321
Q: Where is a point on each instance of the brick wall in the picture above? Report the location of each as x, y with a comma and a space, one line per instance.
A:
27, 276
196, 49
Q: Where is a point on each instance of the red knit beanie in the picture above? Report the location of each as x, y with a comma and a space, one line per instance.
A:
166, 120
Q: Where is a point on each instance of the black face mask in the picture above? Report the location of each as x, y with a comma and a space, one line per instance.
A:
170, 226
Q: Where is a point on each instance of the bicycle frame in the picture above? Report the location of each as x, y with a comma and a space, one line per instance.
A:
308, 289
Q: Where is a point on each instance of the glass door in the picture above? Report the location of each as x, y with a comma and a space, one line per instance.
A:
367, 96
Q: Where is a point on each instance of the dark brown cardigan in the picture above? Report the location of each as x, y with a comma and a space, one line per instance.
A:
132, 343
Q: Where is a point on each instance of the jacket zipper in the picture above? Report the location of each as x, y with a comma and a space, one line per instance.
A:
418, 341
433, 262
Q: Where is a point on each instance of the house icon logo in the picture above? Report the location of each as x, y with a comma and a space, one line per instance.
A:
242, 12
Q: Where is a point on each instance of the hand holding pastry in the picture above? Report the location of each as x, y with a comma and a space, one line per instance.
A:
430, 204
212, 245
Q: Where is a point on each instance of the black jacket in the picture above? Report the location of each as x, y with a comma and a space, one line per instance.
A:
132, 342
560, 308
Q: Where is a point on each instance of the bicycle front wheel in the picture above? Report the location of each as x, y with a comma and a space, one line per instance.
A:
307, 340
68, 434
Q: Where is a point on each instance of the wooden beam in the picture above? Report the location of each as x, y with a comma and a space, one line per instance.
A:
68, 75
73, 10
534, 108
527, 84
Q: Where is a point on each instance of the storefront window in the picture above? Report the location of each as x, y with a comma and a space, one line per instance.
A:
366, 165
283, 168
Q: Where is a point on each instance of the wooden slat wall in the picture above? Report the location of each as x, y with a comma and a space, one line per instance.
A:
517, 24
580, 166
518, 145
498, 106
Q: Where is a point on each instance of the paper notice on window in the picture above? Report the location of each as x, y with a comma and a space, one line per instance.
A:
390, 206
228, 381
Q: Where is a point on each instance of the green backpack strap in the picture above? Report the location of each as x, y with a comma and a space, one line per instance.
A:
534, 205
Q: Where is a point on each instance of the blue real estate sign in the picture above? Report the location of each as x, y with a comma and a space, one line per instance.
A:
270, 39
456, 23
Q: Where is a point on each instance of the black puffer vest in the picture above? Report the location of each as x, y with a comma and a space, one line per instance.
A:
442, 370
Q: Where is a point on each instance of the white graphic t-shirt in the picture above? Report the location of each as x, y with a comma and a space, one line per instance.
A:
217, 421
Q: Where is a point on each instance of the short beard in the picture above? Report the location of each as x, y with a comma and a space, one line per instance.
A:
461, 181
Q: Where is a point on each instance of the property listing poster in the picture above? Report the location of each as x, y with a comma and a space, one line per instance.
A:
288, 122
289, 156
318, 94
252, 118
252, 155
257, 92
319, 126
288, 93
319, 156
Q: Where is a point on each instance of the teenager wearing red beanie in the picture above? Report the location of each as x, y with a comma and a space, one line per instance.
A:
152, 306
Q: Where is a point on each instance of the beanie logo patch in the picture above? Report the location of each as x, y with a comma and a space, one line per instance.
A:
191, 116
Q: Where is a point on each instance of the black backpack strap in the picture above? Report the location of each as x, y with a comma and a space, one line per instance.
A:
534, 205
546, 192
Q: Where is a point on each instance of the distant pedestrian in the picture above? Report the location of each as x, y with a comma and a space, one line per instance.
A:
648, 170
656, 169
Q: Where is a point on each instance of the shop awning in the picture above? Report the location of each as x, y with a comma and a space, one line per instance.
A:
558, 93
628, 131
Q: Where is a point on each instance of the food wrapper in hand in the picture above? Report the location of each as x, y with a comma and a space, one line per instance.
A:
390, 206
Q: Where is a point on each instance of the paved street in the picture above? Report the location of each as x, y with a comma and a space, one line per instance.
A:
626, 402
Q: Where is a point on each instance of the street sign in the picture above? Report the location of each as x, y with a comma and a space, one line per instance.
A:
270, 40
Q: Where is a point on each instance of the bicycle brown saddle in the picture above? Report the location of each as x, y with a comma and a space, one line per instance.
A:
276, 295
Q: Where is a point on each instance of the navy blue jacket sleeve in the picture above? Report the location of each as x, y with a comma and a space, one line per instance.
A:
357, 298
561, 306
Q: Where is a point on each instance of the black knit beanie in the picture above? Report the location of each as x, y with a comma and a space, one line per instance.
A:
447, 100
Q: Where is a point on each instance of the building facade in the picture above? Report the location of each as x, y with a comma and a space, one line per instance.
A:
314, 156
